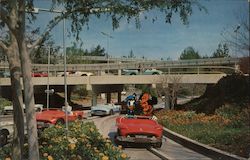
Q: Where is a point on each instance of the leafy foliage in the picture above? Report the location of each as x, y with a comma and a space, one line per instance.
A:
74, 54
80, 12
82, 142
4, 102
189, 53
228, 129
221, 51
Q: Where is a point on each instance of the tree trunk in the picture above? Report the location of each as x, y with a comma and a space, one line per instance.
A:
28, 86
17, 100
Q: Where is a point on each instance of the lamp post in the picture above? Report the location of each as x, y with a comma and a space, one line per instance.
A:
236, 36
48, 79
111, 37
236, 46
36, 10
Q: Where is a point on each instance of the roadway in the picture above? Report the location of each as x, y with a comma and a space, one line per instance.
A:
169, 149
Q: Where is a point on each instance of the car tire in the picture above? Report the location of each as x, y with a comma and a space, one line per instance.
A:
111, 112
60, 122
3, 137
79, 117
158, 145
155, 73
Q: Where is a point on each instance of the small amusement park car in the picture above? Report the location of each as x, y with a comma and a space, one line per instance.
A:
56, 116
138, 129
105, 109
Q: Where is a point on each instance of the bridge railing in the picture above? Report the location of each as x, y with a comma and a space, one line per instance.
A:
166, 66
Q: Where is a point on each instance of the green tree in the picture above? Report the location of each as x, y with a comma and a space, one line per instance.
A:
221, 51
75, 54
131, 54
190, 53
13, 22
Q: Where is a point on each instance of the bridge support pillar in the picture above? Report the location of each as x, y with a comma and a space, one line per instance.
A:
153, 85
119, 72
108, 97
119, 97
94, 99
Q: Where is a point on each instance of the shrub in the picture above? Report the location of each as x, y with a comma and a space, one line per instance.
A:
228, 129
4, 102
81, 91
83, 141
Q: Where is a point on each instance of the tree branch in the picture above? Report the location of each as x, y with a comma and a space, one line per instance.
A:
3, 46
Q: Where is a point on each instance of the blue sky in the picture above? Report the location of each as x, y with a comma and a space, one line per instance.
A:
159, 40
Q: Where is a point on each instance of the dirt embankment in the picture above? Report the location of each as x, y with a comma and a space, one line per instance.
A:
232, 89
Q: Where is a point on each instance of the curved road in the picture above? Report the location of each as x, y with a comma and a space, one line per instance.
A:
106, 125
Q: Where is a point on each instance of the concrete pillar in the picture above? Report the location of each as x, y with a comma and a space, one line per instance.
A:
167, 102
119, 72
119, 97
108, 97
94, 99
154, 85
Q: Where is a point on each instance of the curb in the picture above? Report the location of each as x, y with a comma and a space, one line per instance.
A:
206, 150
159, 154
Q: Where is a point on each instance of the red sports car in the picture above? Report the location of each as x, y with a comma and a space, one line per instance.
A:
138, 129
56, 116
38, 74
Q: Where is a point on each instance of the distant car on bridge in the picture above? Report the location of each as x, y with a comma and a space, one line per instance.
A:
4, 74
39, 74
73, 73
146, 72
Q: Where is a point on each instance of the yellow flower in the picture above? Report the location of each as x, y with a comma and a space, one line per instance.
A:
44, 143
91, 129
72, 146
88, 145
105, 158
58, 126
120, 146
101, 154
123, 155
50, 158
79, 157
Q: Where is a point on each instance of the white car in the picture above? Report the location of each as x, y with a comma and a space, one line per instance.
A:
9, 109
77, 73
146, 72
105, 109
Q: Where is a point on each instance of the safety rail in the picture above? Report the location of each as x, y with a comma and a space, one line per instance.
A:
133, 65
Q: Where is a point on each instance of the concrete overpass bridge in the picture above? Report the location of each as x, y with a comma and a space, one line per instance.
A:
112, 83
205, 71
